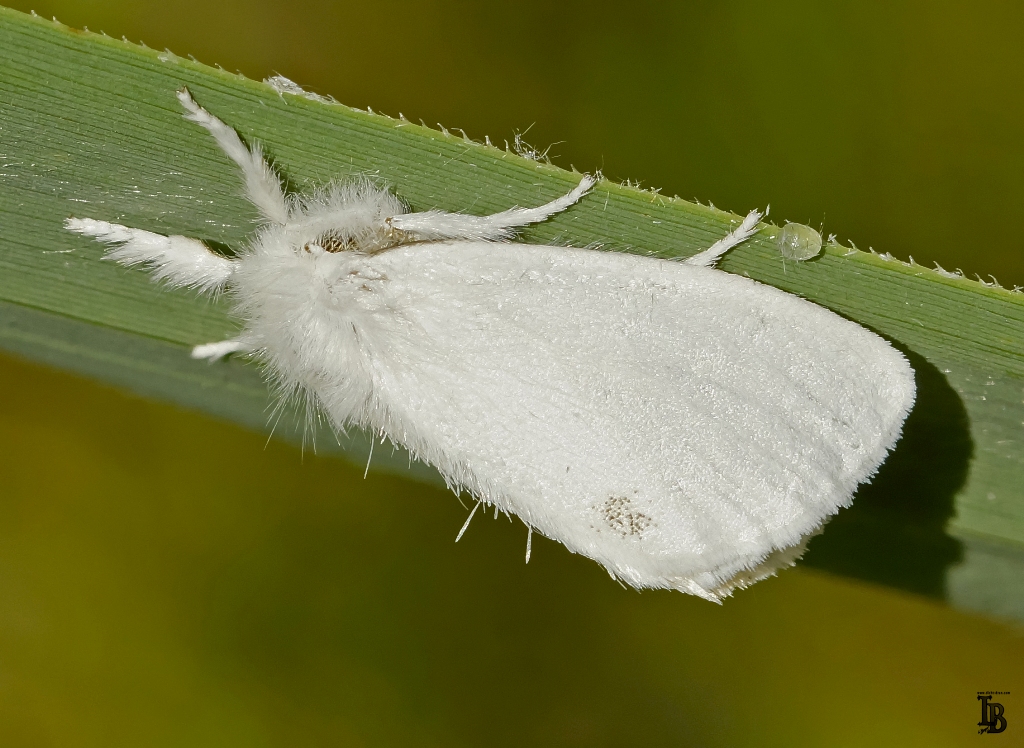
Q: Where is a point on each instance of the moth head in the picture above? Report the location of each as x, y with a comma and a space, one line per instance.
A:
352, 217
331, 241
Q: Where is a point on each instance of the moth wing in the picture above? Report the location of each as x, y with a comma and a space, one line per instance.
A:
684, 427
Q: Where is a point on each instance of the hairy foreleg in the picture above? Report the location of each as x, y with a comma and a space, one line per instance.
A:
262, 186
214, 351
178, 260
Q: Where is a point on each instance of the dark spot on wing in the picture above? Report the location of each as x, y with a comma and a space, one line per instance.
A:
622, 517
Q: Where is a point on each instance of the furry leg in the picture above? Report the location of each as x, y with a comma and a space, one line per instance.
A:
214, 351
180, 261
740, 234
262, 186
437, 224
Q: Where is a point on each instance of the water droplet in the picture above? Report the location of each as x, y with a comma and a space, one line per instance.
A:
799, 242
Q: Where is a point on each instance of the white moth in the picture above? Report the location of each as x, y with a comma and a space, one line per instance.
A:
684, 427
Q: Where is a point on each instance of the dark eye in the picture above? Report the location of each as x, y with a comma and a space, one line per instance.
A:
334, 242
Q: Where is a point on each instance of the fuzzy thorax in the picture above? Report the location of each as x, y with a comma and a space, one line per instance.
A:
309, 300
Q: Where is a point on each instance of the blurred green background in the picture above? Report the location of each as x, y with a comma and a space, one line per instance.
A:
166, 579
